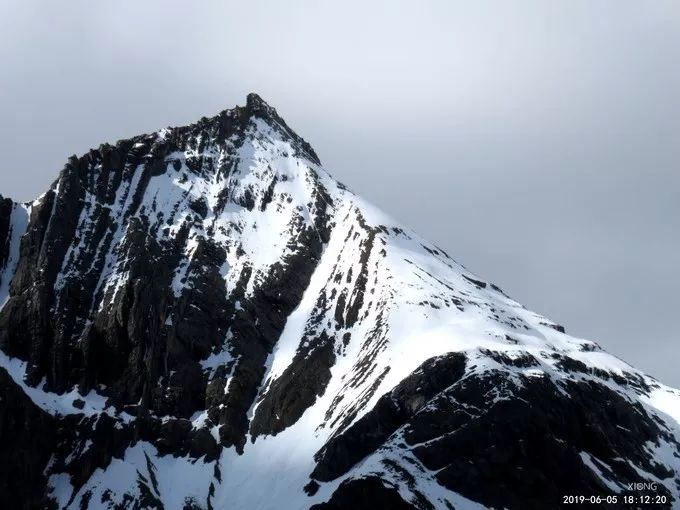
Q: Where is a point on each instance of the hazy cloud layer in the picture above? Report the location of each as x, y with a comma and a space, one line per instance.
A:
538, 142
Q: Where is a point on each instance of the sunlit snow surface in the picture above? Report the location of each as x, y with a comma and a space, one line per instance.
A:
418, 303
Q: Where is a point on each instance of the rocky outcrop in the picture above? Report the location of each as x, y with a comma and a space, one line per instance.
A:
6, 206
365, 494
390, 413
27, 440
256, 329
532, 440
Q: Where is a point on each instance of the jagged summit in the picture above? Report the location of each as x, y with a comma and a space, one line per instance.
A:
194, 314
223, 124
255, 107
221, 130
253, 99
256, 104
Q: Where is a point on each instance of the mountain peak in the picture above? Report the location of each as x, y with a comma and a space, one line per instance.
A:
254, 101
258, 107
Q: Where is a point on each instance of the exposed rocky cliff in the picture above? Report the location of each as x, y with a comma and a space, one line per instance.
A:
203, 318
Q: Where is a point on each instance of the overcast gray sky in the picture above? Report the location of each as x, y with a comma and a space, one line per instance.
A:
538, 142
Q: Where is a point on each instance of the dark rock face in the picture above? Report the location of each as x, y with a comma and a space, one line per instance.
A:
392, 411
27, 438
296, 389
127, 346
527, 442
23, 326
6, 206
523, 447
365, 494
203, 318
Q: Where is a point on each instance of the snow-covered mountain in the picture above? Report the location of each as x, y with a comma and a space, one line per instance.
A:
203, 317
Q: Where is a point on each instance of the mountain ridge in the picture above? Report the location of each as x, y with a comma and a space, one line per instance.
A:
190, 314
